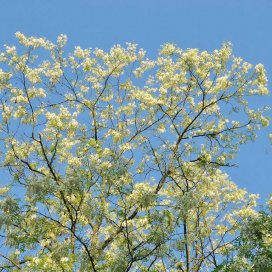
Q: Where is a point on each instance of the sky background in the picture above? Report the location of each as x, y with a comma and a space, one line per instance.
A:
247, 24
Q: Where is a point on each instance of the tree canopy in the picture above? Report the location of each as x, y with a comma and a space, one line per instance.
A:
253, 248
115, 162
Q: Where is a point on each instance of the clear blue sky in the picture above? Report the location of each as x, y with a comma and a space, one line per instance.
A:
204, 24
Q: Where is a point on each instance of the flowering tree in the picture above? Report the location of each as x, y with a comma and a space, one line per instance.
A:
115, 161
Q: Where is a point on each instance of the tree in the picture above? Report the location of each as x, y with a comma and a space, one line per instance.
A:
253, 250
115, 161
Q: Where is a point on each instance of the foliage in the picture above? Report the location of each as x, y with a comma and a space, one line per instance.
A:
116, 160
254, 245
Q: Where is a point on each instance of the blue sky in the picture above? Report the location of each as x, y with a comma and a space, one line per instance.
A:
150, 23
